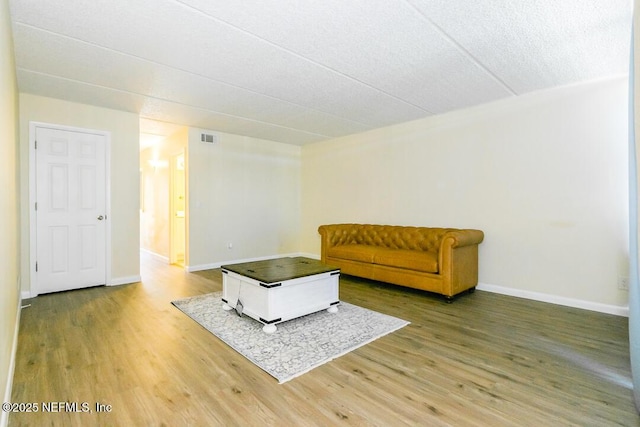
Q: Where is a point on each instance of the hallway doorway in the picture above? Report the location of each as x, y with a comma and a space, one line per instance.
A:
164, 192
177, 210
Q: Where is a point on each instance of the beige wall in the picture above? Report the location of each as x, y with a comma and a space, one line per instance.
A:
125, 201
154, 217
9, 207
243, 191
544, 175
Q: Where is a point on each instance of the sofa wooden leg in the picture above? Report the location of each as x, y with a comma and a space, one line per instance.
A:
448, 299
472, 290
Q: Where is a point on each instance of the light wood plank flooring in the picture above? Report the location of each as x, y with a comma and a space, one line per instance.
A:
486, 359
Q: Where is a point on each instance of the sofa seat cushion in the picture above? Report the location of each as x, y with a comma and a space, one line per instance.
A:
362, 253
402, 258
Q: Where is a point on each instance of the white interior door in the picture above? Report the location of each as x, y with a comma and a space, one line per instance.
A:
70, 209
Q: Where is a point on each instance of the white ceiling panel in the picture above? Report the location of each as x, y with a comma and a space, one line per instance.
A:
111, 69
191, 116
180, 37
70, 90
304, 71
384, 44
533, 45
52, 54
159, 110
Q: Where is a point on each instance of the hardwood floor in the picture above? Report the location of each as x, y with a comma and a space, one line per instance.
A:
486, 359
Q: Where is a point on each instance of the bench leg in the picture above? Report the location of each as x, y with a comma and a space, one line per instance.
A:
269, 329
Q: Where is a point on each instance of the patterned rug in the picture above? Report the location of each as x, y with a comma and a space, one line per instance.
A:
298, 345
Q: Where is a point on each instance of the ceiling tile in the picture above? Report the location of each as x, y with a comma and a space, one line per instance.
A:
177, 36
383, 44
155, 109
69, 90
51, 53
302, 72
538, 44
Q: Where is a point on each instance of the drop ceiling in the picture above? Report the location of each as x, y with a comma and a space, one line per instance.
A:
305, 71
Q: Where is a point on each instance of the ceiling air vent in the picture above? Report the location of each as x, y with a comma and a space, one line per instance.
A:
209, 138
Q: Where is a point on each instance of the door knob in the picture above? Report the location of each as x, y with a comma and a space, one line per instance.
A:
100, 218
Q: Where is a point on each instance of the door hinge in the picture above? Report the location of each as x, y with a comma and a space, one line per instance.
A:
36, 205
36, 144
36, 266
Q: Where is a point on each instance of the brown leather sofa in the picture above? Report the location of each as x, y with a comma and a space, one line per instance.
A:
441, 260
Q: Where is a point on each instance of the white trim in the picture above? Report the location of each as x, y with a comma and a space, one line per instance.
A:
535, 296
25, 295
192, 268
33, 277
124, 280
554, 299
157, 256
109, 218
4, 416
307, 255
173, 168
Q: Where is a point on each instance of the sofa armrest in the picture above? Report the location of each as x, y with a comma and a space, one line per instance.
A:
456, 239
458, 259
328, 234
461, 238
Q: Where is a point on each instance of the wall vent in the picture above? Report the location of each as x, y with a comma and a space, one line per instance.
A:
209, 138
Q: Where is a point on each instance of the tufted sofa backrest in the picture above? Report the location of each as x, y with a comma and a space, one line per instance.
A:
388, 236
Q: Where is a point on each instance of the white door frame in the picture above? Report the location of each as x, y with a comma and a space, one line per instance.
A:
33, 276
173, 256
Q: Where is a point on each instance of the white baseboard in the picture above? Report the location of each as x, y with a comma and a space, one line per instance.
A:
307, 255
124, 280
114, 282
535, 296
157, 256
554, 299
4, 416
192, 268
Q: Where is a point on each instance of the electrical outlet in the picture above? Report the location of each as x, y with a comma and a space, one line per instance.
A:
230, 245
623, 283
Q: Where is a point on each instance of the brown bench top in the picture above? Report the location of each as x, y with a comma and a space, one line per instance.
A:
280, 269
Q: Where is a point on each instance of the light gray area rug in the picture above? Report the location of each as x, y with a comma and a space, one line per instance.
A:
298, 345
